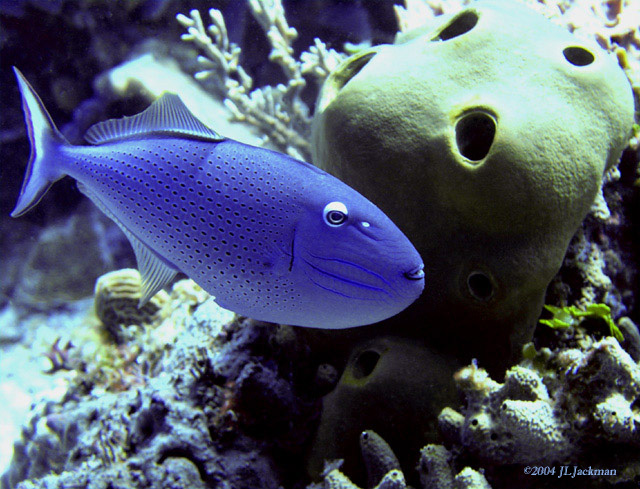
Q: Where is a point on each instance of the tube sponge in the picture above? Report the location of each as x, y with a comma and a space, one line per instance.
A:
391, 385
493, 128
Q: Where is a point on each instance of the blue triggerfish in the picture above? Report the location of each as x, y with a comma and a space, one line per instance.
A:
271, 237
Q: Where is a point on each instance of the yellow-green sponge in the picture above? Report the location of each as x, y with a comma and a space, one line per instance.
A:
484, 136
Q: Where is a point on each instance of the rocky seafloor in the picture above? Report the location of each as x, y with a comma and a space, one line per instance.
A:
188, 395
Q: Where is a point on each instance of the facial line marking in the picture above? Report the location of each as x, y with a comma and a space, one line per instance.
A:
338, 277
359, 267
336, 292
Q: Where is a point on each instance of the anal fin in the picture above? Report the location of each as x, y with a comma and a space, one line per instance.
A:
156, 273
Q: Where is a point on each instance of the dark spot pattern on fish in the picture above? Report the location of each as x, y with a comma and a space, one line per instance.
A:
270, 237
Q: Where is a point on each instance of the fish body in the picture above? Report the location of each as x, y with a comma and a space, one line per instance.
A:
271, 237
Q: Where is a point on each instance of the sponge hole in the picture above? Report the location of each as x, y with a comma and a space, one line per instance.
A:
578, 56
459, 25
353, 68
342, 75
365, 364
475, 132
480, 286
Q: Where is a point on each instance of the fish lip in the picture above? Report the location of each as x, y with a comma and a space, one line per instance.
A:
416, 273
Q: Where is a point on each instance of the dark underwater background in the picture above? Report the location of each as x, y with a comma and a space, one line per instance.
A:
63, 46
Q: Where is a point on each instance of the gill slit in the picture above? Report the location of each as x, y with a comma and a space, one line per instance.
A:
293, 240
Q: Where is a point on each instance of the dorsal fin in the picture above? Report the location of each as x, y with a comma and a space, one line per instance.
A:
168, 115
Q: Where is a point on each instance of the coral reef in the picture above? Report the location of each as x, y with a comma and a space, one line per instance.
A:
481, 165
512, 422
208, 407
188, 397
433, 468
556, 407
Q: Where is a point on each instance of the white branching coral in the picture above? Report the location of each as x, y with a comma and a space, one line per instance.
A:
319, 61
221, 58
270, 15
278, 110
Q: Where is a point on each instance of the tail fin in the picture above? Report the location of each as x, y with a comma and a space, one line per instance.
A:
43, 168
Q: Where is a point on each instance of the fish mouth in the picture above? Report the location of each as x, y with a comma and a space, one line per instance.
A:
415, 274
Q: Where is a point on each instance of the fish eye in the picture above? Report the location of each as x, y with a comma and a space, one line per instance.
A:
335, 214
